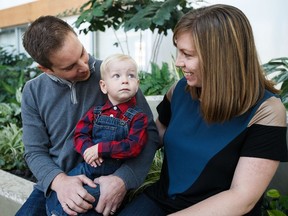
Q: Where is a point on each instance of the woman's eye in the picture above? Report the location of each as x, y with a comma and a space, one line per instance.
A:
187, 55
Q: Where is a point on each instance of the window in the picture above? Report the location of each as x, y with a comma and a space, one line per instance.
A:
11, 39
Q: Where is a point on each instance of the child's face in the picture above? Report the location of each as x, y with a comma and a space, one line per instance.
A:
120, 81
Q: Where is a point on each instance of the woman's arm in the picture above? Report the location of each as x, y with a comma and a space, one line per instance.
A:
251, 178
161, 130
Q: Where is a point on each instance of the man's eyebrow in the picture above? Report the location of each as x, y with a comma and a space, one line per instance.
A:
72, 65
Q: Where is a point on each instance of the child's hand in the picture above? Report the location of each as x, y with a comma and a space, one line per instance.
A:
97, 162
91, 156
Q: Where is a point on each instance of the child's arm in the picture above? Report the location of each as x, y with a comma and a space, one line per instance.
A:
83, 132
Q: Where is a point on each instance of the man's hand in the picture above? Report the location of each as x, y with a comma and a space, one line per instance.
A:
112, 193
71, 194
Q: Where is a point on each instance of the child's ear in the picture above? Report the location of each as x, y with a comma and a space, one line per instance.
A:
138, 84
103, 86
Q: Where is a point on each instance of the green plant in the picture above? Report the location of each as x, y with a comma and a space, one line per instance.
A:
11, 148
155, 15
11, 112
159, 80
153, 174
278, 68
11, 145
275, 204
15, 70
132, 14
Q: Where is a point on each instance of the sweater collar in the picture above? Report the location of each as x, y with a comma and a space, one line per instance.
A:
70, 84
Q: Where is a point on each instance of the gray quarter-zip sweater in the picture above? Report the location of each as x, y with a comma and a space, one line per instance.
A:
51, 108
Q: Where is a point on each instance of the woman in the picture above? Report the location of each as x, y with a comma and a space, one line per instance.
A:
225, 126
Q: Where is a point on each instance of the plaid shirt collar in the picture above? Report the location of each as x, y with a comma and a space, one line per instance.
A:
122, 107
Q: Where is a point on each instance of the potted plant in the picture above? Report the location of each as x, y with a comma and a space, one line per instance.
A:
275, 204
278, 69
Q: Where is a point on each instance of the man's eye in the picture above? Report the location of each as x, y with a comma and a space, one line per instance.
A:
68, 68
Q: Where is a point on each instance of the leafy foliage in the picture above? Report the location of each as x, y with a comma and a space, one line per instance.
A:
11, 148
153, 174
275, 204
10, 112
132, 14
159, 80
11, 145
15, 70
279, 68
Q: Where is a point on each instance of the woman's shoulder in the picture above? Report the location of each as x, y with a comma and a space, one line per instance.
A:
181, 82
271, 113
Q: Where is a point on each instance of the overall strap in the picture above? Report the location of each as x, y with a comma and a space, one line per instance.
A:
97, 112
131, 112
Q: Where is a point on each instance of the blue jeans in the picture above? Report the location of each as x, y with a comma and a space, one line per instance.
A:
34, 205
142, 206
109, 166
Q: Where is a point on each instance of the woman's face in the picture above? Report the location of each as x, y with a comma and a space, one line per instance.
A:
187, 59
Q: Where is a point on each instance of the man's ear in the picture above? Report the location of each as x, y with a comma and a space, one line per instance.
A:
103, 86
45, 70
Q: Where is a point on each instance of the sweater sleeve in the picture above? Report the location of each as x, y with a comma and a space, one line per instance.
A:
133, 171
36, 141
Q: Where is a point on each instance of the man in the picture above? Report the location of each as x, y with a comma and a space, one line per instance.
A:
51, 106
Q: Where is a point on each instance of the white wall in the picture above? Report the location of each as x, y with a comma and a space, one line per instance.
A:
137, 44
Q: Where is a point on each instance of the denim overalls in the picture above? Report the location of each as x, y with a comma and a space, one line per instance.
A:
105, 128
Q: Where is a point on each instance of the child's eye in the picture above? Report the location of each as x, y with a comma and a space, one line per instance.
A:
131, 76
116, 76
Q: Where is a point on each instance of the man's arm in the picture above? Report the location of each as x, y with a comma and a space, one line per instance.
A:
36, 142
37, 155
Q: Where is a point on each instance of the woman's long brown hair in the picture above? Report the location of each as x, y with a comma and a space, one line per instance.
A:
232, 78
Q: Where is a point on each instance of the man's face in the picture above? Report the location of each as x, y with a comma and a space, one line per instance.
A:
70, 62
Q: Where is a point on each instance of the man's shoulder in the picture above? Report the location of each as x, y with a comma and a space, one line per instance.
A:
36, 80
94, 64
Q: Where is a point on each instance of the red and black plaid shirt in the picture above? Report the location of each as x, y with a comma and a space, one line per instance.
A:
131, 146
